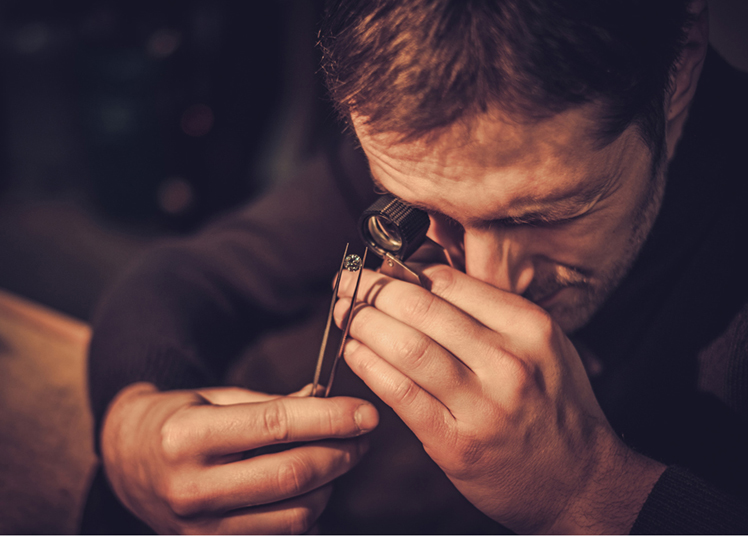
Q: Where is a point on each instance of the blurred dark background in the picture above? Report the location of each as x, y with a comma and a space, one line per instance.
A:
125, 122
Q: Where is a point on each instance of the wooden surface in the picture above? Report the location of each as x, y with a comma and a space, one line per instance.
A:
46, 454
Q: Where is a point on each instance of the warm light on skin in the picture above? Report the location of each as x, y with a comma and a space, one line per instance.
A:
536, 209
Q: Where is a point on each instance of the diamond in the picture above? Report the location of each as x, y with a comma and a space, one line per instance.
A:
352, 262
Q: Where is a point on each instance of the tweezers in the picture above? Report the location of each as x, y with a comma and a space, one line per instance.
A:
346, 325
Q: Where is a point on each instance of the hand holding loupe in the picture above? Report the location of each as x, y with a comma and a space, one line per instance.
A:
394, 231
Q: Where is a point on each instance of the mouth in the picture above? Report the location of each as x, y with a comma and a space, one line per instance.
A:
547, 300
546, 291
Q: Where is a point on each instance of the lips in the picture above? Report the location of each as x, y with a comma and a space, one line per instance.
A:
545, 288
541, 289
546, 301
549, 281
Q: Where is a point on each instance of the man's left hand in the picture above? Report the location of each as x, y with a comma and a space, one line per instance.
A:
499, 398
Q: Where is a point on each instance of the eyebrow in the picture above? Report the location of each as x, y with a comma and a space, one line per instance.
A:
579, 199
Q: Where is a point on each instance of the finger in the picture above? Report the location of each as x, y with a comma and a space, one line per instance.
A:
290, 517
499, 310
273, 477
215, 430
458, 332
427, 417
306, 391
413, 353
233, 395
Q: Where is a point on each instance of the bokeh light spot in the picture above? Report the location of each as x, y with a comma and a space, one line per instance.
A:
163, 43
175, 195
197, 120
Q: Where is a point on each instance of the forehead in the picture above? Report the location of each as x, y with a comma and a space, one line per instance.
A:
494, 164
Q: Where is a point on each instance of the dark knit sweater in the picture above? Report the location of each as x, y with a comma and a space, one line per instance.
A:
240, 303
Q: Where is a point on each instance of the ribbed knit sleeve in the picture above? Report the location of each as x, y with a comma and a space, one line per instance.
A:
682, 504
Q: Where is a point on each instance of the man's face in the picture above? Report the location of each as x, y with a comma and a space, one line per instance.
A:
535, 209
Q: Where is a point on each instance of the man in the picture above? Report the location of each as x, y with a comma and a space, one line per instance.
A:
571, 164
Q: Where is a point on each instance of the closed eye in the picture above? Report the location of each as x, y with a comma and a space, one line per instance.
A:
451, 222
535, 220
530, 220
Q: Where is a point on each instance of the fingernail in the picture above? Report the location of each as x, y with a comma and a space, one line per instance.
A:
350, 346
303, 392
366, 417
340, 311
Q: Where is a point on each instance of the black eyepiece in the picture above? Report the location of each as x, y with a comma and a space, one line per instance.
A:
391, 226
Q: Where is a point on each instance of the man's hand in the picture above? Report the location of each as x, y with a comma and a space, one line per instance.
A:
179, 460
500, 400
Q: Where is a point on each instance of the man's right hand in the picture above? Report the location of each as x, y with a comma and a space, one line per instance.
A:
178, 460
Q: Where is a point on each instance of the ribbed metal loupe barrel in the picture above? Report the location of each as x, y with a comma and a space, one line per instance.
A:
390, 225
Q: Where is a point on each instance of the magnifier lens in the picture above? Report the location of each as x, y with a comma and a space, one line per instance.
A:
390, 226
384, 233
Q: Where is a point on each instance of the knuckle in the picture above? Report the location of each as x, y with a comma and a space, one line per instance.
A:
522, 381
337, 420
460, 451
412, 350
418, 306
293, 477
544, 325
469, 453
405, 392
275, 421
331, 420
519, 374
183, 497
442, 280
175, 440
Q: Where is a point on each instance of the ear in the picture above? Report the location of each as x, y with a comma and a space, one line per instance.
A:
687, 71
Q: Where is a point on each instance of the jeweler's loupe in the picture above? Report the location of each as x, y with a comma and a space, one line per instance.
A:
391, 227
394, 231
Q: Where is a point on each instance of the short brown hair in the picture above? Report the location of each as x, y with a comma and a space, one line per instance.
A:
412, 66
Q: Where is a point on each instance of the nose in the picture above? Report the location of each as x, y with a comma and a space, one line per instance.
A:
499, 257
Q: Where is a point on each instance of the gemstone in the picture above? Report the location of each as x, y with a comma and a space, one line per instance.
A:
352, 262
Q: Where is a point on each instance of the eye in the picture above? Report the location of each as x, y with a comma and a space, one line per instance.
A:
446, 223
559, 222
451, 222
537, 221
